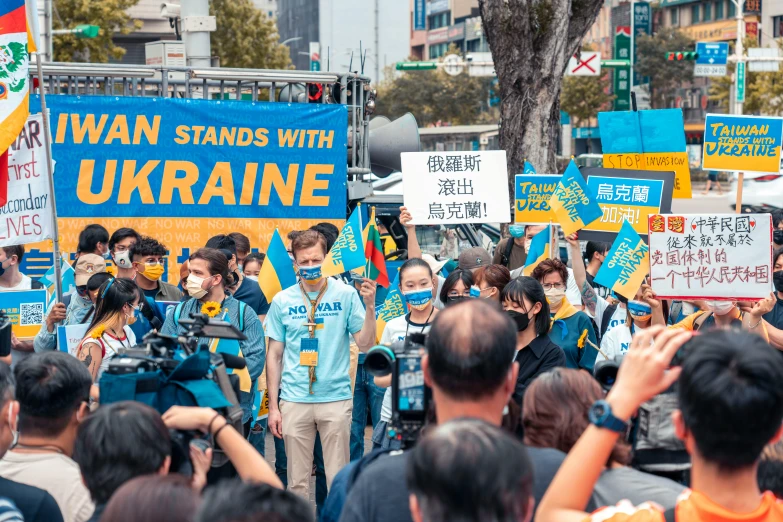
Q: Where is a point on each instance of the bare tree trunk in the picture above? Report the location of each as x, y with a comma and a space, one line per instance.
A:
531, 42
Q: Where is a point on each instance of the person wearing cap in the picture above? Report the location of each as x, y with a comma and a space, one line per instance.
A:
74, 307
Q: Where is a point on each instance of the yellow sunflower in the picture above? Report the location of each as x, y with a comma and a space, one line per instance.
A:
210, 308
581, 342
97, 332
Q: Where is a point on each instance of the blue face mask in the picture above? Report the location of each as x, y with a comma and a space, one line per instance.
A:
516, 231
310, 274
639, 310
418, 299
475, 292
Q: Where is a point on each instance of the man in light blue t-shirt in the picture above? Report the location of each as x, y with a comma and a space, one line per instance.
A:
309, 327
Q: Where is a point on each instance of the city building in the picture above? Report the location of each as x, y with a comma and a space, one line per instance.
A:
269, 7
348, 32
447, 22
771, 23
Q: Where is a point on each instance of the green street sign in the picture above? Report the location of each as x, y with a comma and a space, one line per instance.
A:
740, 92
86, 31
622, 75
416, 66
614, 64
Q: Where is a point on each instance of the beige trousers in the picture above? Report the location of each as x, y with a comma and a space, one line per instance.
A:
301, 421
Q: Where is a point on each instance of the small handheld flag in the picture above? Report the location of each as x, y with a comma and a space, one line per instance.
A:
626, 263
393, 306
375, 268
573, 202
347, 252
277, 272
540, 249
529, 168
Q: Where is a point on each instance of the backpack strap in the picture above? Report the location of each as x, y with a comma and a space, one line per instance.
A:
670, 515
36, 285
505, 257
606, 317
242, 308
178, 312
699, 321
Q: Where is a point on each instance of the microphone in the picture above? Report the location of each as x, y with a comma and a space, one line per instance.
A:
233, 362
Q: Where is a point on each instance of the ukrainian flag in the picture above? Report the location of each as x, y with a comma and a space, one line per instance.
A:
393, 307
529, 168
277, 272
347, 252
626, 263
573, 202
540, 249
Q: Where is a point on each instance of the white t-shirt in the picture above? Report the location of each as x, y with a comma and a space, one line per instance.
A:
619, 316
111, 346
25, 284
396, 330
615, 343
55, 473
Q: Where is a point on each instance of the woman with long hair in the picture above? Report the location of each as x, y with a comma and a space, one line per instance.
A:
489, 281
109, 332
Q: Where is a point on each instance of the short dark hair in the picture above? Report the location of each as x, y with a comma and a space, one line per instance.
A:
548, 266
526, 287
236, 501
595, 247
117, 443
777, 217
770, 472
730, 396
147, 246
255, 256
154, 498
14, 250
123, 233
96, 280
464, 361
50, 388
776, 255
241, 241
308, 239
222, 242
6, 383
217, 263
415, 263
460, 274
329, 231
469, 470
90, 237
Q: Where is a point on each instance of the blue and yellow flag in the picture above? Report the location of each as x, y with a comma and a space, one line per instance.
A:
626, 264
540, 249
529, 168
393, 307
573, 202
277, 272
347, 252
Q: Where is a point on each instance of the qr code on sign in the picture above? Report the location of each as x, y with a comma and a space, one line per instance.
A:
31, 314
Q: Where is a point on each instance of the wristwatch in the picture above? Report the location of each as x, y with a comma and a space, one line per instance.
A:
600, 414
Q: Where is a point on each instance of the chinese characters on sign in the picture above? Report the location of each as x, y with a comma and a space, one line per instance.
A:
711, 256
456, 187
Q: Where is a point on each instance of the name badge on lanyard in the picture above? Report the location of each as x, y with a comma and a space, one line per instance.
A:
308, 352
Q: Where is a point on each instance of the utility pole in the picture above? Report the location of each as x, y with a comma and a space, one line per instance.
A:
196, 26
632, 55
739, 73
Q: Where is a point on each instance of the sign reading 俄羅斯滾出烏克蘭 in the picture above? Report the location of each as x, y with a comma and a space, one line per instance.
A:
742, 143
711, 256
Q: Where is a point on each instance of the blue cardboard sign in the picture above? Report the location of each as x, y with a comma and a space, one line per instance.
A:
25, 309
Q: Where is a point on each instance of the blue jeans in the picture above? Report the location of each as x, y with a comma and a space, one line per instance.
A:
281, 468
366, 394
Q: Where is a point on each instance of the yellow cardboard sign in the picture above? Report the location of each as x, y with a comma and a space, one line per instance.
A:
676, 162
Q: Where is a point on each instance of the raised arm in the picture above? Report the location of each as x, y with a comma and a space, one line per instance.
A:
649, 297
414, 250
589, 296
365, 338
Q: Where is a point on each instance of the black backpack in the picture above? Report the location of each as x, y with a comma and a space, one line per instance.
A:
505, 257
606, 319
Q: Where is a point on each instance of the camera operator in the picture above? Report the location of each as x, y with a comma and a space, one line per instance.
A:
53, 390
125, 440
36, 505
469, 366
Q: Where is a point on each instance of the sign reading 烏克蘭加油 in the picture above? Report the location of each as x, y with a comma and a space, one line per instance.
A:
712, 256
532, 193
183, 170
742, 143
456, 187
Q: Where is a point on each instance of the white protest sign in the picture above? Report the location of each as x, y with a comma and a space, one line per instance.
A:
27, 215
69, 337
456, 187
711, 256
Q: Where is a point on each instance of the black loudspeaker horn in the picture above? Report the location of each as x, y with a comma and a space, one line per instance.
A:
388, 139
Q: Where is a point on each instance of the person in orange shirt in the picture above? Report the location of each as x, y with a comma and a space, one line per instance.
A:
731, 407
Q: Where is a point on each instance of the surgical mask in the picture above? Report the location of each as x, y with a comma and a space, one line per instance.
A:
520, 319
516, 231
418, 299
475, 292
107, 255
719, 307
194, 287
122, 259
639, 310
133, 317
252, 278
310, 274
555, 296
2, 268
153, 271
777, 280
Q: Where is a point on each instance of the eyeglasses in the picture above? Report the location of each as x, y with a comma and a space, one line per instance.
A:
556, 286
454, 293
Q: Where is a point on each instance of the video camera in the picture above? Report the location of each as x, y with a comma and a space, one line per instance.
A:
605, 372
164, 365
5, 335
410, 396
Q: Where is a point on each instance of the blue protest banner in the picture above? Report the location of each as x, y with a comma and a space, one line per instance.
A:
620, 132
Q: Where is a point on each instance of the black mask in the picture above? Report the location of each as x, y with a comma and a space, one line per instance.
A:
777, 279
777, 237
457, 299
521, 320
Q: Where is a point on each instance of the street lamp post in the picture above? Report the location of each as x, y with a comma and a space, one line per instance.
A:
288, 41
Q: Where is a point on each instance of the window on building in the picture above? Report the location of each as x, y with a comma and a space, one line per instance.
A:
438, 50
695, 9
777, 26
674, 15
707, 12
440, 20
732, 9
719, 10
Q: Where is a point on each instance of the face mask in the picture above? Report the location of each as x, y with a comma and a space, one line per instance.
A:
252, 278
107, 255
456, 299
418, 299
194, 286
132, 317
639, 310
2, 268
777, 280
527, 244
311, 274
516, 231
777, 237
153, 271
475, 292
122, 259
555, 296
719, 307
81, 291
520, 319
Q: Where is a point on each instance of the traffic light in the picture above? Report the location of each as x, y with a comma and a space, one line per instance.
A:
682, 55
